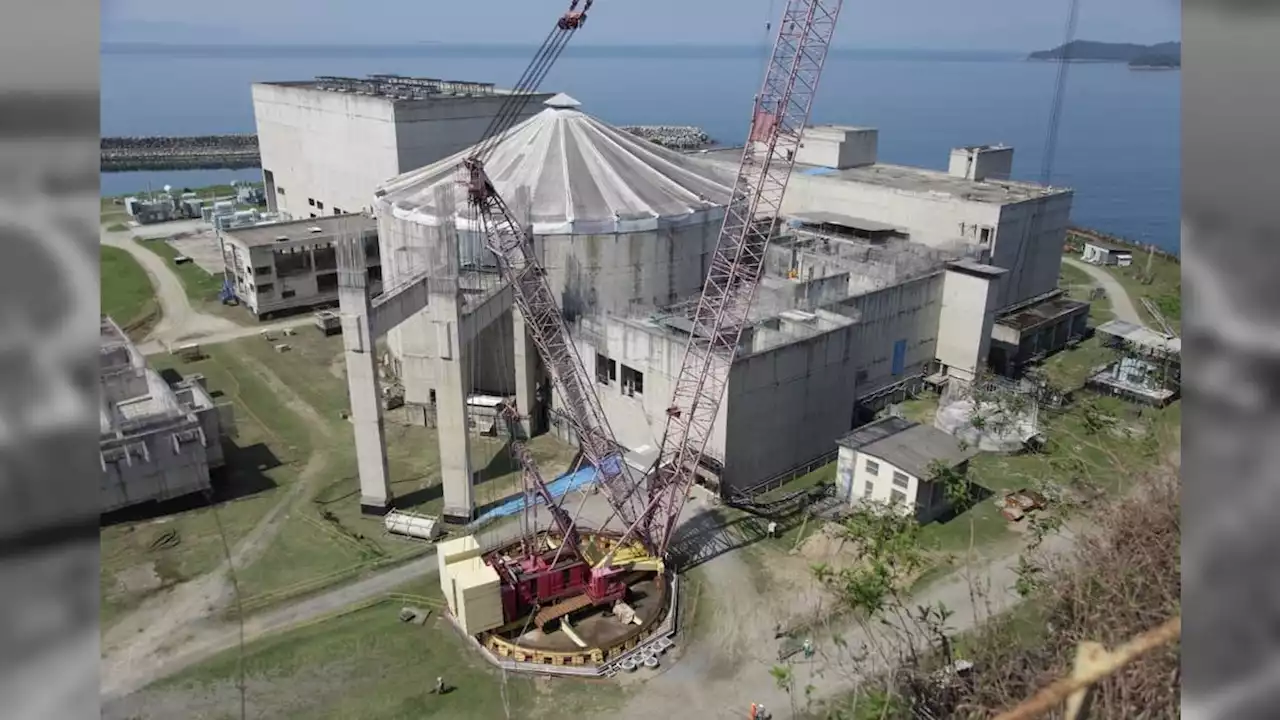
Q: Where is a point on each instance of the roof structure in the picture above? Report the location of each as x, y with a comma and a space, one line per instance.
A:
582, 176
1142, 338
326, 227
908, 445
924, 181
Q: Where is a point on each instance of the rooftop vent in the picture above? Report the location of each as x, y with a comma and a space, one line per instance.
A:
315, 229
560, 101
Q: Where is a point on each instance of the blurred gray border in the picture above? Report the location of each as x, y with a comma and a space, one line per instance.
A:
1231, 405
49, 471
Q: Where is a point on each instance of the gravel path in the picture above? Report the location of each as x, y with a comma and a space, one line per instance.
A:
1121, 303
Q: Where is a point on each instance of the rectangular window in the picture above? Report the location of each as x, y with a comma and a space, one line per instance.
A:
279, 190
606, 369
313, 214
374, 274
900, 479
337, 211
632, 381
327, 282
897, 497
319, 205
869, 489
263, 270
873, 467
311, 202
266, 288
985, 235
286, 294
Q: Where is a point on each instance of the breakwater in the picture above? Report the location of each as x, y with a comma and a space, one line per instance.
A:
201, 152
233, 152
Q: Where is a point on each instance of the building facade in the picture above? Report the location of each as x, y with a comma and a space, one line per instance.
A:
327, 143
892, 462
291, 266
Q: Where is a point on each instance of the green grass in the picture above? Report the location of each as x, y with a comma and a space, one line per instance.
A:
1070, 368
328, 539
1072, 275
201, 287
367, 665
117, 227
1163, 287
262, 460
126, 291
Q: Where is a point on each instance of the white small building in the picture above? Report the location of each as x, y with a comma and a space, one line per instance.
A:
1099, 253
892, 461
281, 267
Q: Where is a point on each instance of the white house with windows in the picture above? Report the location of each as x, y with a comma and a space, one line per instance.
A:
891, 461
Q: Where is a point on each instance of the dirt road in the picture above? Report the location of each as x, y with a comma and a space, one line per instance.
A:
181, 323
1121, 303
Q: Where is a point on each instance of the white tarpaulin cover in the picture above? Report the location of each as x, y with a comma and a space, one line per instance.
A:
582, 176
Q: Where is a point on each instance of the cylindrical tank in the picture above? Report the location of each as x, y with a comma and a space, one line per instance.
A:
620, 224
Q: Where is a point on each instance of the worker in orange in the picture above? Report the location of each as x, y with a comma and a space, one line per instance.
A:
752, 715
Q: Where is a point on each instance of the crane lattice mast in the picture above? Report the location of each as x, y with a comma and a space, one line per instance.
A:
780, 115
536, 301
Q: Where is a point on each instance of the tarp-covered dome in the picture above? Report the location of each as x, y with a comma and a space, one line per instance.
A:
582, 176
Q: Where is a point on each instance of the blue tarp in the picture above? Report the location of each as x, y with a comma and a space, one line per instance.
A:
560, 486
819, 171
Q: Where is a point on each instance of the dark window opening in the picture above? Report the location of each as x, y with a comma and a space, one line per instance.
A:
985, 235
327, 282
263, 270
313, 214
632, 381
312, 203
319, 205
326, 258
374, 273
266, 288
286, 294
897, 497
900, 479
606, 369
279, 190
337, 211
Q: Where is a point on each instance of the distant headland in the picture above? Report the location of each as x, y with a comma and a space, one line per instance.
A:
1166, 55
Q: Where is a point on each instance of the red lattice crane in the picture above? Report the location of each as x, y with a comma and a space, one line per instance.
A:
777, 123
520, 268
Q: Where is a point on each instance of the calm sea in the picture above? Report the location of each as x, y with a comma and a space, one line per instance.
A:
1118, 142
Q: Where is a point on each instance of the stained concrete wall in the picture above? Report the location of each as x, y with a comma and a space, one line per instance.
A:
968, 315
336, 148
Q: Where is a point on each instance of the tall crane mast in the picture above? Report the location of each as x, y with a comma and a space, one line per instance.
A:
535, 299
777, 123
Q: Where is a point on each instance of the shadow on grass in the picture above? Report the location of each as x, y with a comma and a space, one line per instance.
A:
244, 475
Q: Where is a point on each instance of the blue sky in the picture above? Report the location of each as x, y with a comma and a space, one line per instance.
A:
887, 24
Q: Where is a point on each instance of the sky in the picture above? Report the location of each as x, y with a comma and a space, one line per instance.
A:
1021, 25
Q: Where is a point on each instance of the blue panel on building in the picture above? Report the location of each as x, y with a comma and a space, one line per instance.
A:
899, 357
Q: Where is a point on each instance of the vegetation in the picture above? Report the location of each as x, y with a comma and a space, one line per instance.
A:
202, 288
126, 292
367, 664
1089, 50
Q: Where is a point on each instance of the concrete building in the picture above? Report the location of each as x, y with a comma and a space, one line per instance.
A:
892, 461
1097, 252
617, 221
156, 441
1019, 226
327, 143
1035, 328
289, 266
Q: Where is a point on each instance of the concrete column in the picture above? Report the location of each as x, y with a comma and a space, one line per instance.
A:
362, 378
452, 388
528, 367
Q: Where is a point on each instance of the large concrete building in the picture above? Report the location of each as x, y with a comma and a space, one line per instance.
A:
327, 143
157, 441
882, 277
290, 266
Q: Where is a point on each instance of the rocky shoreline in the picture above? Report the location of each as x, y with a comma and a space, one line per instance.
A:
235, 152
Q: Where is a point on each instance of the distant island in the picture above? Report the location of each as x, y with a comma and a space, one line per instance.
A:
1166, 55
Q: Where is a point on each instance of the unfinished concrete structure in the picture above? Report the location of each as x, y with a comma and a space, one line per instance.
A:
1148, 368
618, 222
156, 441
1029, 331
1020, 226
327, 143
288, 266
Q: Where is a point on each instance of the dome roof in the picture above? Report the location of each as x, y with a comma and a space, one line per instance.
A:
582, 177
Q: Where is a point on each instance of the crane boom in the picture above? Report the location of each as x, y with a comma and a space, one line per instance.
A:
534, 297
778, 121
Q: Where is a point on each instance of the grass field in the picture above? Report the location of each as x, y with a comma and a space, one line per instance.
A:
126, 292
368, 665
1163, 287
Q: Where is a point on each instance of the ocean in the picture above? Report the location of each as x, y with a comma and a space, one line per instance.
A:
1118, 141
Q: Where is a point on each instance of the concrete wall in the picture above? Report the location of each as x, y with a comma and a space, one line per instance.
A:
965, 324
336, 148
261, 286
882, 485
1028, 242
325, 146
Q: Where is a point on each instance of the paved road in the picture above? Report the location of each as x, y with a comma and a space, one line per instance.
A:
1121, 303
180, 323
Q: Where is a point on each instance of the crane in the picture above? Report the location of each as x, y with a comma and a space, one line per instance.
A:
778, 120
520, 268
